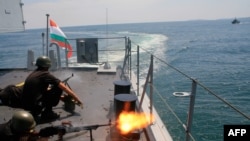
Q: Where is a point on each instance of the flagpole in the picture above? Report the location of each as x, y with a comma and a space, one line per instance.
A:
47, 34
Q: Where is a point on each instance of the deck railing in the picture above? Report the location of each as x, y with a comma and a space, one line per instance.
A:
153, 91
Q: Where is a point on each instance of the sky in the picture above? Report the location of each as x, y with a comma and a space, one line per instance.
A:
98, 12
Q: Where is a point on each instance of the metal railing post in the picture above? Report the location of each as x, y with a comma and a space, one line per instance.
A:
47, 36
191, 110
151, 87
150, 70
43, 43
138, 70
66, 53
122, 76
129, 60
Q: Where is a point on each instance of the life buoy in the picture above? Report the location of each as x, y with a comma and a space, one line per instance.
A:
181, 94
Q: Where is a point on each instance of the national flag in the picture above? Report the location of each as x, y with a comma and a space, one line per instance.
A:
58, 37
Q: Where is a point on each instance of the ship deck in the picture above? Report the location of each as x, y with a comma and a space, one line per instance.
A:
96, 90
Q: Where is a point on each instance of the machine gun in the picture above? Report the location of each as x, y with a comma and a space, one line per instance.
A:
69, 102
65, 81
61, 130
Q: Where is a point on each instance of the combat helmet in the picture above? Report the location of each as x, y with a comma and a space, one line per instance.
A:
43, 61
22, 121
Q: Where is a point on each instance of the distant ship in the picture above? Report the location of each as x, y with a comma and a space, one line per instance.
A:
235, 21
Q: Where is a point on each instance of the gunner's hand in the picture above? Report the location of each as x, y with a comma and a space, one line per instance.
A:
80, 104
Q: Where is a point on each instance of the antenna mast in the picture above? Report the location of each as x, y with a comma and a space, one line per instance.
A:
107, 65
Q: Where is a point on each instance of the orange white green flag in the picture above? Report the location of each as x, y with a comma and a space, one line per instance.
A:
58, 37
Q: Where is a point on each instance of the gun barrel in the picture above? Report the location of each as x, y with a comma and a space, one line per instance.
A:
53, 130
87, 127
65, 80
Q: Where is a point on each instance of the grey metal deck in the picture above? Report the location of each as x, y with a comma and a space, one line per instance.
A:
95, 89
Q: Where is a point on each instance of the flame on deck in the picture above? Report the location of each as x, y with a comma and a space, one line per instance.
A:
130, 121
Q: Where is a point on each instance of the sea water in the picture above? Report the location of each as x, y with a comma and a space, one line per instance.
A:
214, 52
